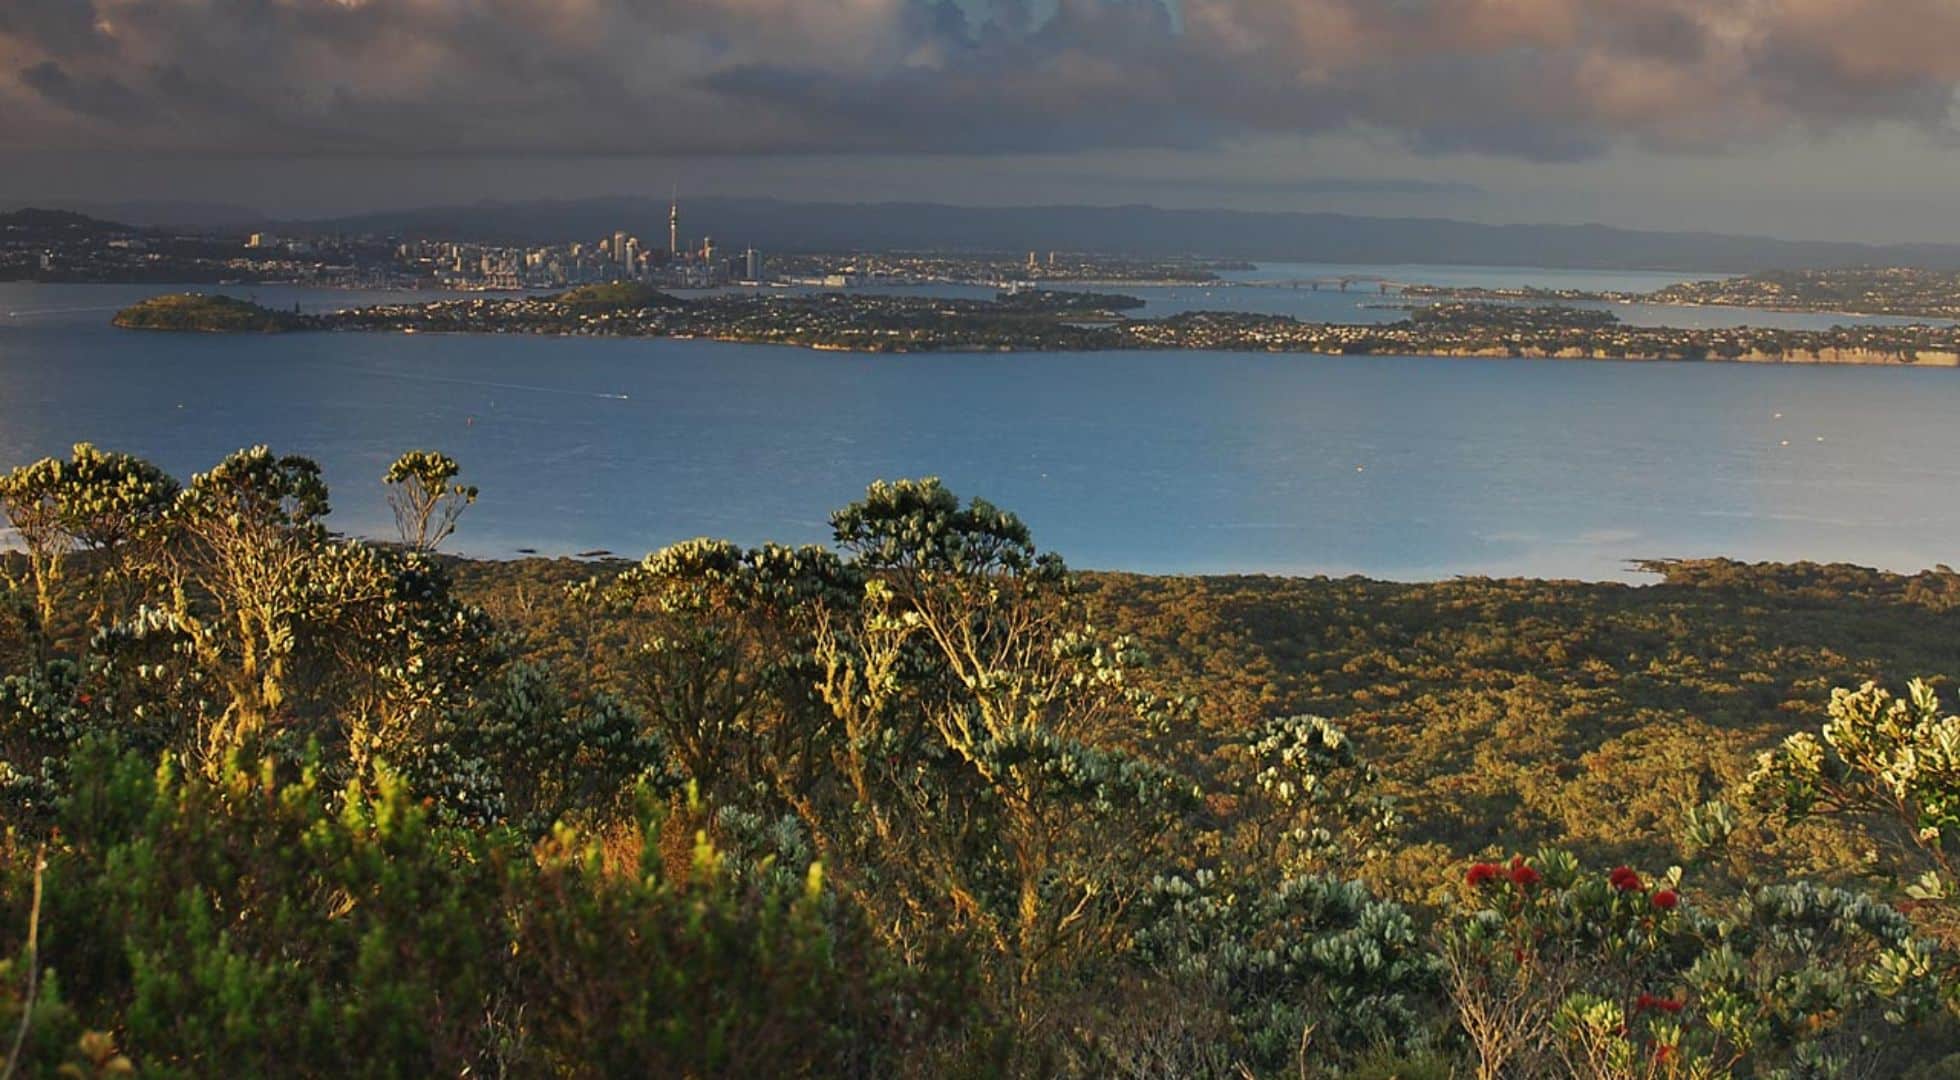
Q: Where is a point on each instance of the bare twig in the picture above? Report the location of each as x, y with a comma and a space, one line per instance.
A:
33, 968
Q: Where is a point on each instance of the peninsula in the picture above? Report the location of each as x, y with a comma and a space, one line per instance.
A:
1895, 290
1058, 320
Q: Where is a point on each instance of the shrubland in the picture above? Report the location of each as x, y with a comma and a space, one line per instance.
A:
926, 801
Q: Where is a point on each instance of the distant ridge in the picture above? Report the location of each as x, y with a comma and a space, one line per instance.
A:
157, 213
777, 225
37, 223
780, 226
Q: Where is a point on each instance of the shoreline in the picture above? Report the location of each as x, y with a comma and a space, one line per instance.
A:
1642, 572
1470, 294
1638, 572
1828, 357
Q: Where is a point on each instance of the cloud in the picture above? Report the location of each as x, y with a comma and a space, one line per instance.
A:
1535, 79
100, 96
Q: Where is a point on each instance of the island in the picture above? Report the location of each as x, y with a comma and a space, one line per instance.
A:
211, 314
1063, 320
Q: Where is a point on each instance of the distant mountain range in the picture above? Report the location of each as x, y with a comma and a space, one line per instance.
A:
1141, 230
175, 214
780, 226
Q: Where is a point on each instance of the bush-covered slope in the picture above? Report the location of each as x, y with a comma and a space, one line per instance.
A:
217, 314
926, 802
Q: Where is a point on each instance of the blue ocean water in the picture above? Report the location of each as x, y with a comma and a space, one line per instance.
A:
1160, 462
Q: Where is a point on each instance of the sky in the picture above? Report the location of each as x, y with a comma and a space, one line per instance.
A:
1828, 119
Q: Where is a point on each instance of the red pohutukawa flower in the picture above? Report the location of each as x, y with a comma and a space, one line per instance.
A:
1624, 879
1522, 874
1659, 1004
1665, 899
1483, 873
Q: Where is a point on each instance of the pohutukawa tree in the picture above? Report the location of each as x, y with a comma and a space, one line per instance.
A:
1016, 797
932, 710
1555, 971
717, 652
1890, 765
246, 537
227, 610
97, 501
33, 496
425, 497
115, 500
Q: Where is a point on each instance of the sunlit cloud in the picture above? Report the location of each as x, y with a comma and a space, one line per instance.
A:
1534, 79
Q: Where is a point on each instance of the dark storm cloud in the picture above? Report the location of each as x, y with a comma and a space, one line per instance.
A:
1541, 79
99, 96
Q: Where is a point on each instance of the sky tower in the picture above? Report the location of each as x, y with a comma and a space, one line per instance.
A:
674, 226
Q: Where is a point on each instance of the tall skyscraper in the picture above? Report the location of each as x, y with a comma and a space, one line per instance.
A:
619, 246
674, 227
754, 265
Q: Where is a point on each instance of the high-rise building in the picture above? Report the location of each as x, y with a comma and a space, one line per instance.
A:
674, 227
753, 267
619, 246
